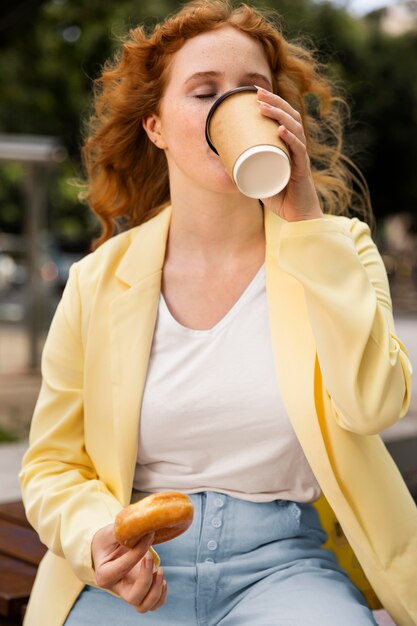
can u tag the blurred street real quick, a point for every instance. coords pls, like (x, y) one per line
(19, 386)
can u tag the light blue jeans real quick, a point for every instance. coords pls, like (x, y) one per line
(241, 564)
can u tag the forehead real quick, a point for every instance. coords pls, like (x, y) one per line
(214, 49)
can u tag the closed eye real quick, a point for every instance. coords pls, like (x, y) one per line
(205, 95)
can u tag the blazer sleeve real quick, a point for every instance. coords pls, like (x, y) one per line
(65, 500)
(365, 366)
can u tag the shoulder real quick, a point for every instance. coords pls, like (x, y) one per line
(109, 254)
(99, 267)
(124, 259)
(103, 263)
(95, 273)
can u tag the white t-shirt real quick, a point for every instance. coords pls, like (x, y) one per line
(212, 418)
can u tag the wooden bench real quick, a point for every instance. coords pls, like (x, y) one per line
(20, 555)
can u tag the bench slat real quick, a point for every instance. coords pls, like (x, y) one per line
(16, 581)
(20, 543)
(14, 512)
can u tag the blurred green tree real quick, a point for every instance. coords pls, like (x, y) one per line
(50, 54)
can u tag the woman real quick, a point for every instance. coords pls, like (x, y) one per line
(239, 351)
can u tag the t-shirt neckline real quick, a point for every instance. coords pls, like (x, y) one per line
(224, 321)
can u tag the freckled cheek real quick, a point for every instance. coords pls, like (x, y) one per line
(190, 120)
(191, 137)
(184, 123)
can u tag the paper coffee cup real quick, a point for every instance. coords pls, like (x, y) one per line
(248, 144)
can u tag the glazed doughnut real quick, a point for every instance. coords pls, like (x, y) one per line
(167, 514)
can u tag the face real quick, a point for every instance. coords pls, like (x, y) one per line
(204, 68)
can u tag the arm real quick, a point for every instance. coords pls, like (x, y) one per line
(64, 499)
(365, 366)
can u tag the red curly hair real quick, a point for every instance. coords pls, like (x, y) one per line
(128, 175)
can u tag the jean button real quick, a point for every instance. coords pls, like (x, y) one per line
(212, 545)
(216, 522)
(219, 502)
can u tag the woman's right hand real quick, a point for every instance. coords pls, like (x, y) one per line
(128, 572)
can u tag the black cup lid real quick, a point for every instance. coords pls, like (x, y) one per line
(216, 104)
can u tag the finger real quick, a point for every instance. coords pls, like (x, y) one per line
(135, 590)
(163, 597)
(298, 149)
(272, 98)
(283, 118)
(154, 594)
(111, 572)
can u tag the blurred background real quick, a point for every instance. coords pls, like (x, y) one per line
(51, 51)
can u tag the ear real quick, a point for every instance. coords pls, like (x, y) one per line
(153, 128)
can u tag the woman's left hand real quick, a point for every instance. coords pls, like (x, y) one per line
(299, 200)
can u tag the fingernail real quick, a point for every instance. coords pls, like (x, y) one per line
(260, 88)
(160, 573)
(268, 106)
(149, 560)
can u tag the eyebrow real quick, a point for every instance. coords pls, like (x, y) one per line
(213, 74)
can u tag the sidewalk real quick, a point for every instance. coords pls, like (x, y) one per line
(11, 455)
(18, 394)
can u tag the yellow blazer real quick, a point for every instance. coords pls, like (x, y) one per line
(343, 375)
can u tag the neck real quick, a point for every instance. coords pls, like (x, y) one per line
(212, 229)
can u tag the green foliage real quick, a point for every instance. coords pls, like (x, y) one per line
(47, 66)
(6, 437)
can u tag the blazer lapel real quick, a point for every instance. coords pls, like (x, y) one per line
(132, 322)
